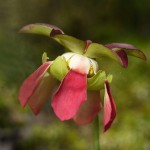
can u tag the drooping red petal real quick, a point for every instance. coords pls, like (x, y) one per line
(89, 110)
(109, 107)
(70, 95)
(30, 84)
(41, 93)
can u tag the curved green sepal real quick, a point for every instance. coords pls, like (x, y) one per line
(128, 48)
(41, 28)
(97, 81)
(44, 57)
(59, 68)
(96, 50)
(71, 43)
(136, 52)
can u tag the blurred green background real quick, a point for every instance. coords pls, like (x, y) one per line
(102, 21)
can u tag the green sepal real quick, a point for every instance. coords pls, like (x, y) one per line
(44, 57)
(128, 48)
(136, 53)
(71, 43)
(97, 81)
(59, 68)
(96, 50)
(38, 28)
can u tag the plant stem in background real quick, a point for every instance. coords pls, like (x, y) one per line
(96, 134)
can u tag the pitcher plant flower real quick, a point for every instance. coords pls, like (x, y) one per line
(81, 79)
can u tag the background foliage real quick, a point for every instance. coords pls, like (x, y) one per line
(102, 21)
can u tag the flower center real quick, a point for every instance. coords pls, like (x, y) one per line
(81, 63)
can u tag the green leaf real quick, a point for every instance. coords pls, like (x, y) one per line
(71, 43)
(97, 81)
(96, 50)
(59, 68)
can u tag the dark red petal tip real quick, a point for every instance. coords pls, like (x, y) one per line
(55, 32)
(90, 109)
(87, 43)
(109, 107)
(123, 56)
(70, 95)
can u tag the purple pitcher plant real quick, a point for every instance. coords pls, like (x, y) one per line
(81, 79)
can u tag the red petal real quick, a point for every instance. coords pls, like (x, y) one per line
(30, 84)
(70, 95)
(89, 110)
(109, 107)
(41, 93)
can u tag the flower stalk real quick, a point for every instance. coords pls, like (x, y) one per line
(96, 134)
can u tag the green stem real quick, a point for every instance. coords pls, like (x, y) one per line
(96, 134)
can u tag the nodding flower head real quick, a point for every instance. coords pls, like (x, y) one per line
(81, 79)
